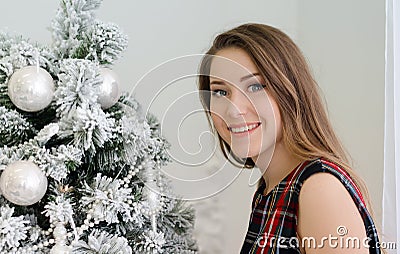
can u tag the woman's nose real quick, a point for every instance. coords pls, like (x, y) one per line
(238, 105)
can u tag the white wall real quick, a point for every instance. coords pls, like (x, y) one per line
(345, 43)
(342, 39)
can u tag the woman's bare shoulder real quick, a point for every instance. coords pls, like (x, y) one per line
(327, 210)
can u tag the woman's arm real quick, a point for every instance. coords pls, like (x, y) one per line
(326, 207)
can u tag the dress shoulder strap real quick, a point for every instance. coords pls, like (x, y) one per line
(322, 165)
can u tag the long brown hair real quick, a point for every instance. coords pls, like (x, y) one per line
(306, 130)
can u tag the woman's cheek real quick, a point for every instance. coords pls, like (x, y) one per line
(220, 126)
(217, 121)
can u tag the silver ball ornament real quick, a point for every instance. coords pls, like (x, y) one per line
(31, 88)
(23, 183)
(109, 89)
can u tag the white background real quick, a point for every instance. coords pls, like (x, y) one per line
(343, 41)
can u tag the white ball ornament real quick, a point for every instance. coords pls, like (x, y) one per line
(23, 183)
(109, 89)
(31, 88)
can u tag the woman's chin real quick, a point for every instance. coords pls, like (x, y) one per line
(244, 154)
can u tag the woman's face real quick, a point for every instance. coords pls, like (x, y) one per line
(243, 113)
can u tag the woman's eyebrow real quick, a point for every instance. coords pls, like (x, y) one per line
(219, 82)
(249, 76)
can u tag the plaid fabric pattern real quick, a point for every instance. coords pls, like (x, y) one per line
(273, 221)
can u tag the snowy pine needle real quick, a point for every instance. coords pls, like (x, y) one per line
(12, 229)
(150, 242)
(101, 242)
(14, 127)
(104, 44)
(73, 18)
(59, 210)
(76, 99)
(78, 84)
(108, 199)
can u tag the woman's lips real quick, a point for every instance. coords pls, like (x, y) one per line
(243, 129)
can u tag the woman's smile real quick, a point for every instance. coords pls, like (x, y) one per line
(243, 129)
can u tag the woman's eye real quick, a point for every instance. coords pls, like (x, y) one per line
(255, 87)
(219, 93)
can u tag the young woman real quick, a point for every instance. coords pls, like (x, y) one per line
(263, 103)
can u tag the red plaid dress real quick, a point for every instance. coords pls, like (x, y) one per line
(273, 221)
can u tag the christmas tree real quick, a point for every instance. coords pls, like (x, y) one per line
(79, 161)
